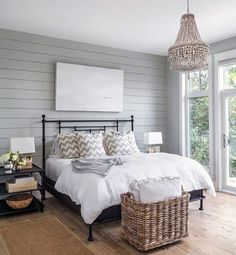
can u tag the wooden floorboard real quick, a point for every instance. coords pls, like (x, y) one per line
(212, 231)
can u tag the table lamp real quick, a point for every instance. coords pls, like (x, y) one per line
(152, 140)
(24, 146)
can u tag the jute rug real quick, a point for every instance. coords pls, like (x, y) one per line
(43, 236)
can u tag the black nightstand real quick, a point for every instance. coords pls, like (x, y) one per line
(36, 205)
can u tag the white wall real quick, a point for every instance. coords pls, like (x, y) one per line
(172, 110)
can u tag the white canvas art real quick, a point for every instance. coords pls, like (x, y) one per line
(88, 88)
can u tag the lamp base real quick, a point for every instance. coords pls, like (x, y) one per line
(28, 162)
(153, 149)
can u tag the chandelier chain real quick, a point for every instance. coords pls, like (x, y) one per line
(187, 6)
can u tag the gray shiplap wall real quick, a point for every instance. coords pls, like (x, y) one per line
(27, 70)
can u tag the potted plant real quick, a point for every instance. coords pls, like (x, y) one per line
(9, 160)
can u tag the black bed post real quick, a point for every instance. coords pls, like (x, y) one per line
(117, 125)
(43, 141)
(132, 122)
(90, 235)
(59, 126)
(201, 200)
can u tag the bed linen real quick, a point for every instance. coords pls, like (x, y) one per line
(55, 166)
(157, 189)
(96, 193)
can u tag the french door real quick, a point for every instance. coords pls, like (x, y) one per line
(229, 140)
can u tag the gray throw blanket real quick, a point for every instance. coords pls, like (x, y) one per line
(99, 166)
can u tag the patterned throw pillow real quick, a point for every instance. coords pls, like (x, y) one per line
(133, 146)
(117, 144)
(68, 145)
(91, 145)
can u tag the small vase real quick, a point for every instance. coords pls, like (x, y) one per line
(8, 165)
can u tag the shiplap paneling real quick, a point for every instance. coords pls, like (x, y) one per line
(27, 73)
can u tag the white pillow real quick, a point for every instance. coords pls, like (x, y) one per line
(135, 187)
(55, 150)
(156, 190)
(132, 142)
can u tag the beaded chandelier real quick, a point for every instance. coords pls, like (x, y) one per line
(189, 52)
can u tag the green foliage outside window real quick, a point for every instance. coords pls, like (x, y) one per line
(199, 120)
(230, 82)
(198, 80)
(232, 135)
(199, 130)
(230, 76)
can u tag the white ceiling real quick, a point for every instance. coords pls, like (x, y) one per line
(141, 25)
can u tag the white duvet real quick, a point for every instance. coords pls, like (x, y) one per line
(95, 193)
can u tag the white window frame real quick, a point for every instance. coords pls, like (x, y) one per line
(219, 92)
(185, 95)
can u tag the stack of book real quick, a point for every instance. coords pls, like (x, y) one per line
(21, 183)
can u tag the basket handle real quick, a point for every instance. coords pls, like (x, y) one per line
(130, 195)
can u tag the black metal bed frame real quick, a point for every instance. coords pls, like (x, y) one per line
(113, 212)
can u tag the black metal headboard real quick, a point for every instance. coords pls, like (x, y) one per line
(63, 124)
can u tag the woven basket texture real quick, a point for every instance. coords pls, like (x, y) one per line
(19, 201)
(151, 225)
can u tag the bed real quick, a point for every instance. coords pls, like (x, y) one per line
(78, 190)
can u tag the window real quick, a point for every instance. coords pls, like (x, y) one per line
(228, 102)
(232, 136)
(224, 121)
(229, 76)
(197, 116)
(199, 129)
(198, 80)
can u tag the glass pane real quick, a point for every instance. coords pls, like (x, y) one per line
(199, 130)
(198, 80)
(232, 139)
(229, 76)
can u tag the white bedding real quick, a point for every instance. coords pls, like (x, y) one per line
(55, 166)
(95, 193)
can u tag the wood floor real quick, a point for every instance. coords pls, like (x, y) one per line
(212, 231)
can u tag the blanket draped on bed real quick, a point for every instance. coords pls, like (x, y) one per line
(93, 165)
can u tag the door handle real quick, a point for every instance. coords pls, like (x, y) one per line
(226, 141)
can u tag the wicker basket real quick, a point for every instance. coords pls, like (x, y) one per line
(19, 201)
(147, 226)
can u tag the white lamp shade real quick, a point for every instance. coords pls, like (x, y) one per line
(22, 145)
(153, 138)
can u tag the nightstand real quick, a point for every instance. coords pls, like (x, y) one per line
(36, 204)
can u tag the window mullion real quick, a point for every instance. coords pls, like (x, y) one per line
(194, 94)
